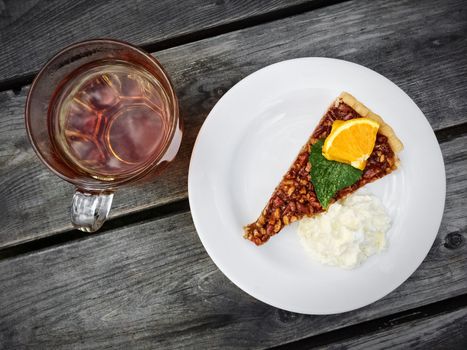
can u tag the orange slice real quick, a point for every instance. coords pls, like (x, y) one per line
(351, 141)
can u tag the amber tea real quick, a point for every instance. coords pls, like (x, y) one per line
(109, 119)
(102, 114)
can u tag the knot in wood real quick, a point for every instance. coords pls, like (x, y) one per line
(453, 240)
(220, 92)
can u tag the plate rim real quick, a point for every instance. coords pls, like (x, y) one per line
(224, 269)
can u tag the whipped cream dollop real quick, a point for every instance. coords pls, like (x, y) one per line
(349, 232)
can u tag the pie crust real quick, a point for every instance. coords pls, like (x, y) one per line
(365, 112)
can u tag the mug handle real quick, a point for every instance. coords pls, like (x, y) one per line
(90, 210)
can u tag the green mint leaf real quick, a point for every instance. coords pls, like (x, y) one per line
(328, 176)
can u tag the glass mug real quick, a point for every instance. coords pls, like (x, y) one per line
(102, 114)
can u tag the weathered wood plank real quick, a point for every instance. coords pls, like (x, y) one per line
(446, 331)
(153, 285)
(373, 34)
(33, 30)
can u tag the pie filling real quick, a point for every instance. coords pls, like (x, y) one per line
(295, 197)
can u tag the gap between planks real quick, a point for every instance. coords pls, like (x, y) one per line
(386, 322)
(450, 133)
(68, 236)
(16, 84)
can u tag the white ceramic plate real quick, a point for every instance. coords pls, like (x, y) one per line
(246, 145)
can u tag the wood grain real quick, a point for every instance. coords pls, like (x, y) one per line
(421, 46)
(32, 31)
(446, 331)
(152, 285)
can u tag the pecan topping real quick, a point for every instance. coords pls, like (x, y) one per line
(295, 197)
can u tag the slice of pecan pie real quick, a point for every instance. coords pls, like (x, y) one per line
(295, 198)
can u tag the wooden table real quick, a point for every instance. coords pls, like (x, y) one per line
(144, 280)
